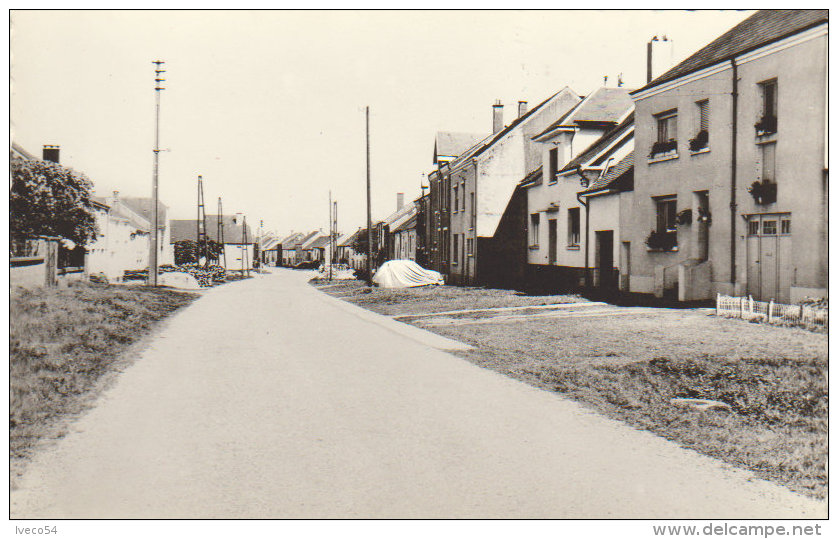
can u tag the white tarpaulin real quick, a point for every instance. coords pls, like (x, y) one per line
(404, 274)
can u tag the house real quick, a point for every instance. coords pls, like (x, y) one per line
(345, 250)
(319, 248)
(143, 206)
(303, 251)
(123, 240)
(398, 232)
(730, 168)
(487, 208)
(609, 204)
(437, 216)
(423, 233)
(269, 249)
(575, 149)
(230, 230)
(286, 248)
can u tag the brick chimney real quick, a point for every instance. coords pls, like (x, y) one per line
(399, 201)
(522, 108)
(497, 117)
(51, 153)
(659, 56)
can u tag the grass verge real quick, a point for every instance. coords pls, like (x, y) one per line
(628, 365)
(61, 343)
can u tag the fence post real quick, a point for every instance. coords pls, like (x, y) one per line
(770, 309)
(718, 299)
(741, 307)
(801, 313)
(750, 306)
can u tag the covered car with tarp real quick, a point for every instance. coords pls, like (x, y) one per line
(405, 274)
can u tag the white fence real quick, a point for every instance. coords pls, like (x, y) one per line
(773, 313)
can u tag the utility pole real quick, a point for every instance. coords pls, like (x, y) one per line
(331, 234)
(219, 233)
(152, 253)
(369, 207)
(335, 228)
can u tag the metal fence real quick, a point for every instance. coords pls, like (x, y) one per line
(773, 313)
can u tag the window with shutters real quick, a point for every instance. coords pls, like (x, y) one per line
(767, 124)
(701, 140)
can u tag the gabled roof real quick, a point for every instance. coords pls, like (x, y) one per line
(503, 132)
(450, 144)
(761, 28)
(348, 239)
(399, 215)
(289, 241)
(619, 177)
(532, 178)
(22, 153)
(610, 137)
(268, 242)
(186, 229)
(305, 241)
(406, 220)
(605, 105)
(143, 207)
(319, 242)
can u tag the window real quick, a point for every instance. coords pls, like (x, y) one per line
(702, 138)
(666, 211)
(554, 165)
(463, 185)
(785, 226)
(456, 250)
(534, 222)
(573, 227)
(769, 228)
(767, 124)
(667, 126)
(473, 210)
(769, 153)
(456, 199)
(703, 115)
(470, 246)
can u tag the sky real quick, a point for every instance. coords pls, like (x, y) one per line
(268, 106)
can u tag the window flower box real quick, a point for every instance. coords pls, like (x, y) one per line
(767, 125)
(703, 216)
(660, 148)
(662, 241)
(684, 217)
(700, 142)
(764, 192)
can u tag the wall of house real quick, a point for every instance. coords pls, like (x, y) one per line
(540, 197)
(493, 180)
(234, 253)
(800, 71)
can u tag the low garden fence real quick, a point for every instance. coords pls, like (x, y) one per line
(773, 313)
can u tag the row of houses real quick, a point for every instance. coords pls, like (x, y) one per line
(711, 178)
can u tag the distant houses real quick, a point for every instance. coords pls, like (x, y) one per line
(240, 245)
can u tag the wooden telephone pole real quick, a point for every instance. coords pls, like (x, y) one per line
(369, 206)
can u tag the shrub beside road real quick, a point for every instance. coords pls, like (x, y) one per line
(629, 363)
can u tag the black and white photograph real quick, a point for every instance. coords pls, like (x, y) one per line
(567, 266)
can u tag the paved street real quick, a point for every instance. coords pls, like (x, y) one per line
(268, 399)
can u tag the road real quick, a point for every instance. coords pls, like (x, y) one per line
(268, 399)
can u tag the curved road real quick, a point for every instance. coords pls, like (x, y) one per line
(268, 399)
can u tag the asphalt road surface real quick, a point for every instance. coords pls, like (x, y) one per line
(268, 399)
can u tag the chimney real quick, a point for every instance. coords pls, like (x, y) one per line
(116, 195)
(399, 201)
(497, 116)
(51, 153)
(522, 108)
(659, 56)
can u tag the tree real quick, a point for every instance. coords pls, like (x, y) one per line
(47, 199)
(361, 241)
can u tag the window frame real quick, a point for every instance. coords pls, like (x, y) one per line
(574, 227)
(535, 225)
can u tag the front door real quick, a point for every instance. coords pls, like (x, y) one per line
(553, 239)
(605, 259)
(769, 256)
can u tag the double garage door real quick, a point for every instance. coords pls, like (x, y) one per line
(769, 252)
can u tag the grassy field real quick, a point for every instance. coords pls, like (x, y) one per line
(628, 365)
(433, 299)
(63, 341)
